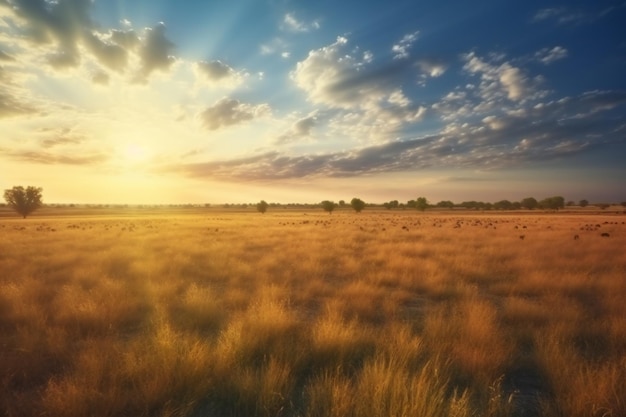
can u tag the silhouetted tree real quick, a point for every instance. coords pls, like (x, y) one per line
(530, 203)
(328, 206)
(445, 204)
(24, 200)
(342, 203)
(503, 205)
(421, 203)
(553, 203)
(357, 204)
(262, 206)
(583, 203)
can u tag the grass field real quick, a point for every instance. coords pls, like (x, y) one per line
(291, 313)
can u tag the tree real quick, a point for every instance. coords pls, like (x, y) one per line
(583, 203)
(357, 204)
(421, 203)
(503, 205)
(530, 203)
(328, 206)
(262, 206)
(24, 200)
(553, 203)
(445, 204)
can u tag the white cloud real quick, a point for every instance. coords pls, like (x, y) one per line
(292, 24)
(548, 56)
(500, 79)
(561, 15)
(371, 100)
(401, 49)
(432, 67)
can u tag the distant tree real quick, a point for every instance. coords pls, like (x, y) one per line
(421, 203)
(583, 203)
(410, 204)
(530, 203)
(387, 205)
(570, 203)
(394, 203)
(623, 203)
(445, 204)
(328, 206)
(262, 206)
(552, 203)
(357, 204)
(503, 205)
(516, 205)
(24, 200)
(603, 206)
(342, 203)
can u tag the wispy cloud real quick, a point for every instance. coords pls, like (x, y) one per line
(560, 15)
(401, 49)
(547, 56)
(292, 24)
(51, 158)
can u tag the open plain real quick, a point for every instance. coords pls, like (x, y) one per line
(301, 313)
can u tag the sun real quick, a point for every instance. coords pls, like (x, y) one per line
(134, 153)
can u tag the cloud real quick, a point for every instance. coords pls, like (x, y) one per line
(218, 73)
(6, 57)
(12, 105)
(559, 14)
(401, 49)
(63, 33)
(301, 128)
(545, 132)
(432, 67)
(547, 56)
(228, 112)
(61, 137)
(49, 158)
(155, 52)
(501, 80)
(292, 24)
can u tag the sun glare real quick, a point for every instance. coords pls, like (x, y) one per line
(134, 153)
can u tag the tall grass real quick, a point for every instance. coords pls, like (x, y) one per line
(305, 314)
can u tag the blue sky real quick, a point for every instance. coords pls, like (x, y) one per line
(293, 101)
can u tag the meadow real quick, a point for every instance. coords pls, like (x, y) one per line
(302, 313)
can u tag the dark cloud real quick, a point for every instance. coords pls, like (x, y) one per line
(227, 112)
(156, 51)
(66, 29)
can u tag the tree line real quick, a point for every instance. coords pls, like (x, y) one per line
(25, 200)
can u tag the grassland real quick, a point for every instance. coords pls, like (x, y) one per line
(308, 314)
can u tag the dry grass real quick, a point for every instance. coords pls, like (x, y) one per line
(306, 314)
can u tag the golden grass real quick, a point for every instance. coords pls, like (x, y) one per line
(304, 314)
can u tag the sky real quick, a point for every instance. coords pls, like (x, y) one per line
(162, 101)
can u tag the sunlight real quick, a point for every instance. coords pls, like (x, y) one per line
(135, 154)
